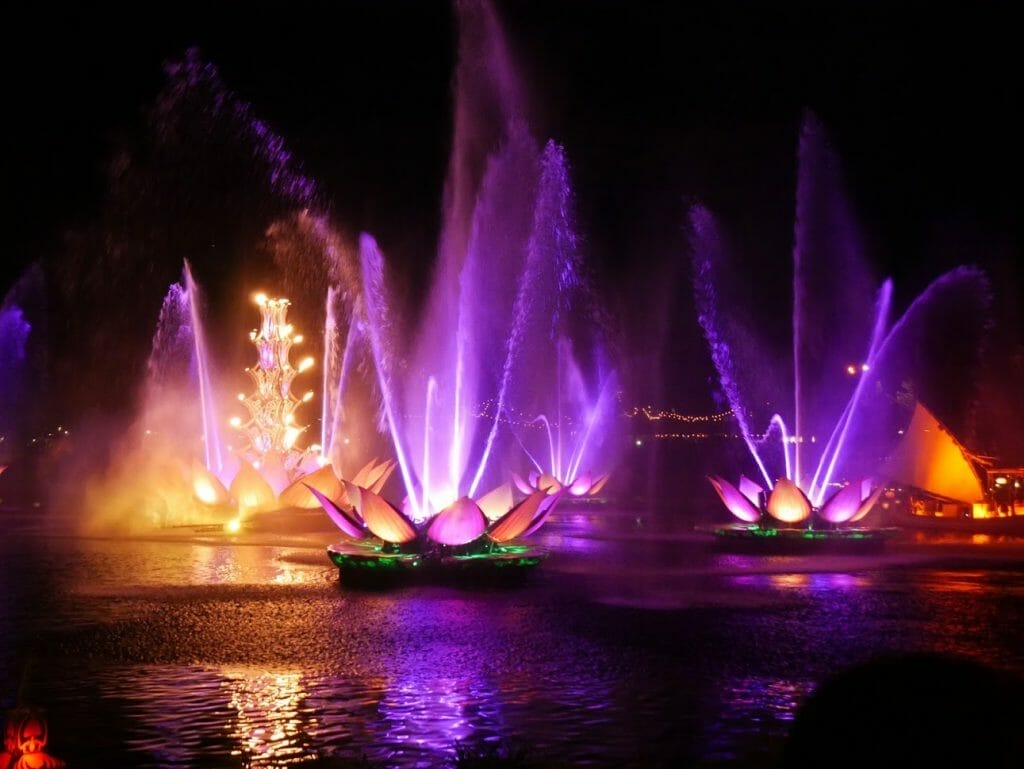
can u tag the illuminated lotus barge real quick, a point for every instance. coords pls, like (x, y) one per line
(786, 521)
(471, 541)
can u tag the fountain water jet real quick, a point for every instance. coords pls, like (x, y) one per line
(491, 327)
(838, 408)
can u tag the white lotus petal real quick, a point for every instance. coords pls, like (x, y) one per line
(496, 502)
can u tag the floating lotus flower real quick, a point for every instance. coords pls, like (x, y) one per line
(582, 485)
(364, 514)
(789, 505)
(466, 535)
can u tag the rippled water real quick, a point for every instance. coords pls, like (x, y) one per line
(634, 642)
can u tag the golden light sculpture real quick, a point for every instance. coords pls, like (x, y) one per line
(272, 430)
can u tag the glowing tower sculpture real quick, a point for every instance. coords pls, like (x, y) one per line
(271, 429)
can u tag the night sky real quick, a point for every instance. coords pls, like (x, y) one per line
(658, 105)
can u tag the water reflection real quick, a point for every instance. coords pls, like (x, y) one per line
(753, 708)
(218, 653)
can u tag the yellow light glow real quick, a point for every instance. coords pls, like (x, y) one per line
(305, 364)
(851, 369)
(241, 396)
(260, 299)
(204, 491)
(290, 436)
(307, 397)
(235, 421)
(233, 526)
(289, 419)
(298, 338)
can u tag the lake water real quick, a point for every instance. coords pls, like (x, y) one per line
(634, 643)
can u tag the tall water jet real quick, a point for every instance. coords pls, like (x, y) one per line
(847, 357)
(495, 324)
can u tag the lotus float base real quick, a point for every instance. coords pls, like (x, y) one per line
(374, 566)
(752, 538)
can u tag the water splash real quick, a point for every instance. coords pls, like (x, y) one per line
(846, 361)
(497, 302)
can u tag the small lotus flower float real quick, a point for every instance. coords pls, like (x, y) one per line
(582, 485)
(787, 513)
(468, 538)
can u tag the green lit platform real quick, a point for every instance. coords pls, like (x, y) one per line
(378, 565)
(752, 538)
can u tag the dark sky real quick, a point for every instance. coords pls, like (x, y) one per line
(658, 104)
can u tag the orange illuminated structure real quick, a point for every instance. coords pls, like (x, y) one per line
(936, 481)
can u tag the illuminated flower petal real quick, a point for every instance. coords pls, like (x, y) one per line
(300, 493)
(374, 474)
(547, 506)
(459, 523)
(599, 484)
(787, 503)
(206, 486)
(383, 520)
(736, 503)
(518, 519)
(843, 505)
(867, 504)
(521, 484)
(751, 490)
(251, 490)
(341, 518)
(549, 483)
(389, 468)
(581, 485)
(496, 502)
(359, 479)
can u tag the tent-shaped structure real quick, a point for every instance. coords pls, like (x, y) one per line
(930, 458)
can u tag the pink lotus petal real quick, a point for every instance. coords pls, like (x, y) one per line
(735, 502)
(751, 490)
(788, 503)
(383, 520)
(867, 504)
(518, 519)
(581, 485)
(533, 479)
(341, 519)
(521, 484)
(843, 505)
(459, 523)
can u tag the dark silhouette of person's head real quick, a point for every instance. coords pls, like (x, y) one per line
(919, 710)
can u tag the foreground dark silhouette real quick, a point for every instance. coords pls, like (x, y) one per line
(915, 710)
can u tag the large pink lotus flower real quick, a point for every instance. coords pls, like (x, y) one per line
(364, 514)
(789, 505)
